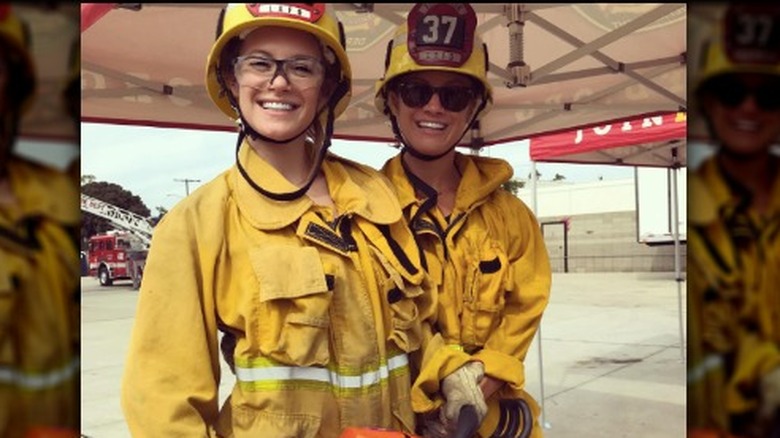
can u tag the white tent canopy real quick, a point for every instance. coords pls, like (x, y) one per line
(588, 64)
(657, 141)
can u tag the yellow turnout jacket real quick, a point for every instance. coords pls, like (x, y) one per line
(490, 265)
(318, 313)
(39, 302)
(733, 305)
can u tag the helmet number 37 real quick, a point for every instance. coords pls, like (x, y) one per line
(441, 33)
(752, 34)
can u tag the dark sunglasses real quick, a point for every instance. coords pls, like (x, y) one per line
(453, 98)
(732, 92)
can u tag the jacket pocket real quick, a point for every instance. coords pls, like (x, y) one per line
(291, 323)
(400, 311)
(403, 415)
(250, 422)
(484, 300)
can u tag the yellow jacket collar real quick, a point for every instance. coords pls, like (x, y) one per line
(481, 176)
(361, 190)
(43, 192)
(713, 194)
(395, 171)
(355, 189)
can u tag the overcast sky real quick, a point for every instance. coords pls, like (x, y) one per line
(148, 161)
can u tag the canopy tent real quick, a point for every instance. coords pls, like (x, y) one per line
(658, 141)
(143, 64)
(572, 65)
(53, 31)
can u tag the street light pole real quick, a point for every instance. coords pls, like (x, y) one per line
(186, 182)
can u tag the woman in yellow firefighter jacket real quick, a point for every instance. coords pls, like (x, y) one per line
(301, 259)
(734, 231)
(481, 245)
(39, 306)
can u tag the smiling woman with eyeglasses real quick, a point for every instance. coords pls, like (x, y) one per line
(481, 246)
(299, 259)
(257, 69)
(733, 267)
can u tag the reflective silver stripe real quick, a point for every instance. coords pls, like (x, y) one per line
(272, 8)
(708, 364)
(12, 376)
(282, 373)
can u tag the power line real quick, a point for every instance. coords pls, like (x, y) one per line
(186, 182)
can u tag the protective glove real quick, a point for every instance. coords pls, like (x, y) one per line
(770, 394)
(460, 388)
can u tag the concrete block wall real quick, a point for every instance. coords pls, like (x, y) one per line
(605, 242)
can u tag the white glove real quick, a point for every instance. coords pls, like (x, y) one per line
(770, 394)
(462, 388)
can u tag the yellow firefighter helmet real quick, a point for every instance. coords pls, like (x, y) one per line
(314, 18)
(15, 46)
(440, 37)
(746, 41)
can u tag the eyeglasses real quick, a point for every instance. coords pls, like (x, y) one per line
(732, 92)
(301, 71)
(453, 98)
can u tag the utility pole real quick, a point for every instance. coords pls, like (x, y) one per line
(186, 182)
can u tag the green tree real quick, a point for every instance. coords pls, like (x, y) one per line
(558, 177)
(86, 179)
(161, 211)
(113, 194)
(513, 185)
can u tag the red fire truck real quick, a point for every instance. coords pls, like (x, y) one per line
(115, 256)
(118, 254)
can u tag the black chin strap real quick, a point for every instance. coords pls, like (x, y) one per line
(432, 198)
(246, 128)
(289, 196)
(341, 89)
(412, 151)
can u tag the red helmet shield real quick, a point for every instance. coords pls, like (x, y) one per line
(441, 34)
(752, 34)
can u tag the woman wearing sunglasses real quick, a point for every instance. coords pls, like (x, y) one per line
(481, 245)
(300, 259)
(734, 232)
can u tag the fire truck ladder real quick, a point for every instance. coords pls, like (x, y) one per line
(121, 218)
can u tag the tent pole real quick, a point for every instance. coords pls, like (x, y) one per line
(677, 268)
(545, 424)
